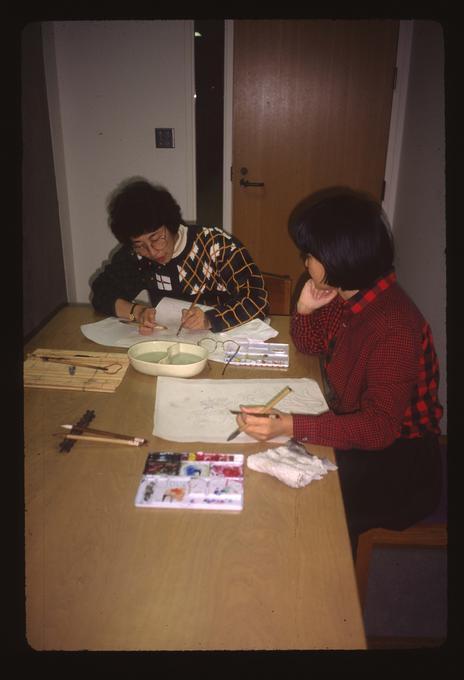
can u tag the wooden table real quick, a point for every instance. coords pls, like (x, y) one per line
(104, 575)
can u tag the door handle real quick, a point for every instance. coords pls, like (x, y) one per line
(246, 183)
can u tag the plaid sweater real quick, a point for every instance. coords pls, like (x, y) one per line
(211, 259)
(380, 367)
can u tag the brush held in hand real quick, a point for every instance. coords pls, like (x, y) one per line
(270, 404)
(197, 297)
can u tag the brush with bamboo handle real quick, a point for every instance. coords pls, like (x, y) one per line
(270, 404)
(197, 297)
(92, 435)
(105, 440)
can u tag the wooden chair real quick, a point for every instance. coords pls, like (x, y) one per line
(279, 290)
(432, 532)
(425, 535)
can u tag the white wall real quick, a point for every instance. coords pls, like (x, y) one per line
(110, 83)
(419, 224)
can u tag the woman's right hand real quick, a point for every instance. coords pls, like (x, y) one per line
(312, 298)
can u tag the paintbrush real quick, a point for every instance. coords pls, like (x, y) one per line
(106, 440)
(91, 434)
(197, 297)
(272, 402)
(156, 327)
(91, 430)
(70, 362)
(258, 415)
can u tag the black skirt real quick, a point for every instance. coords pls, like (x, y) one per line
(391, 488)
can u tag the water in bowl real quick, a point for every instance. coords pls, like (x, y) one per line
(152, 357)
(185, 358)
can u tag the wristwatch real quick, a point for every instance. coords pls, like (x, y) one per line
(131, 313)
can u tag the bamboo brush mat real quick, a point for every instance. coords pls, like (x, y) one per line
(56, 376)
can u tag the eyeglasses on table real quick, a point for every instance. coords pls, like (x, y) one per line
(230, 347)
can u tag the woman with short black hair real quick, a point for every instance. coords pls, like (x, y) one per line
(348, 233)
(168, 258)
(378, 362)
(138, 207)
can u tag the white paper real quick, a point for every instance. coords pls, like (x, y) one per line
(112, 333)
(188, 410)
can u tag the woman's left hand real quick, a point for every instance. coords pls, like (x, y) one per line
(147, 321)
(195, 319)
(265, 428)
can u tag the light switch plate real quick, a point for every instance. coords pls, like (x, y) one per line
(164, 138)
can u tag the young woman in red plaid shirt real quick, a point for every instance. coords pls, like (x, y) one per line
(378, 363)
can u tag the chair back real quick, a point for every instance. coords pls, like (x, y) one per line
(279, 290)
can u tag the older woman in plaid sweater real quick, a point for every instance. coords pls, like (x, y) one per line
(167, 258)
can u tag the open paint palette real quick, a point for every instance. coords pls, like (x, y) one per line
(264, 354)
(197, 481)
(162, 357)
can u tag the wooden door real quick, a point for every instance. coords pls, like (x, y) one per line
(312, 103)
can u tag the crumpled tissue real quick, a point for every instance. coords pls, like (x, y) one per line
(291, 464)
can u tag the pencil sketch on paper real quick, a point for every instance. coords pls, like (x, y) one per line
(200, 410)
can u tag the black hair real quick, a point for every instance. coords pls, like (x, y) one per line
(348, 233)
(138, 207)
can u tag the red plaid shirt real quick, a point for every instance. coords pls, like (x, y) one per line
(380, 367)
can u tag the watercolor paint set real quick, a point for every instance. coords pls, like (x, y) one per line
(200, 480)
(260, 354)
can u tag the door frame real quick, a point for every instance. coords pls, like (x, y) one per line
(395, 135)
(228, 108)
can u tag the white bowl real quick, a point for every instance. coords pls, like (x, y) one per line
(165, 357)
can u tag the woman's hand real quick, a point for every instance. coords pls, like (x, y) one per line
(195, 319)
(146, 319)
(312, 298)
(277, 423)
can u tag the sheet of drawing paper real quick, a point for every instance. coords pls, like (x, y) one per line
(188, 410)
(112, 333)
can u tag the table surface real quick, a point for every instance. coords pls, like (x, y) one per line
(102, 574)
